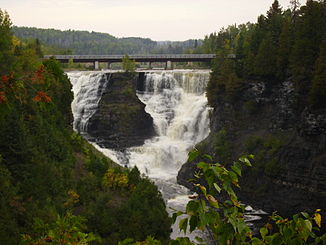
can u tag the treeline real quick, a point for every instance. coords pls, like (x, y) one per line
(84, 42)
(283, 45)
(54, 186)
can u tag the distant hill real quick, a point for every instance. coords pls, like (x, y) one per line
(84, 42)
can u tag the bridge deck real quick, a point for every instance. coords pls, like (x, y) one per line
(137, 58)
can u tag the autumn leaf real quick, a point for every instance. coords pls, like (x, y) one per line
(38, 76)
(212, 201)
(3, 97)
(4, 78)
(317, 218)
(42, 96)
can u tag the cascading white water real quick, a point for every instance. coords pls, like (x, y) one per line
(88, 88)
(177, 103)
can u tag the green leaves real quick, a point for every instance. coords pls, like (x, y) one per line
(192, 207)
(193, 223)
(192, 155)
(217, 188)
(183, 225)
(225, 219)
(245, 160)
(263, 232)
(236, 168)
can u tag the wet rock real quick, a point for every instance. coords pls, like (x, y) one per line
(120, 120)
(275, 123)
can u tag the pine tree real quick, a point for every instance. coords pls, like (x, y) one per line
(275, 9)
(274, 21)
(6, 52)
(317, 95)
(265, 62)
(284, 49)
(310, 28)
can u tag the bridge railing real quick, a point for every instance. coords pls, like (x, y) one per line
(151, 56)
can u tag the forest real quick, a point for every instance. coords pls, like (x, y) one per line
(55, 187)
(283, 45)
(84, 42)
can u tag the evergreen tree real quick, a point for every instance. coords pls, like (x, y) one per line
(6, 53)
(309, 30)
(274, 21)
(317, 95)
(284, 50)
(265, 62)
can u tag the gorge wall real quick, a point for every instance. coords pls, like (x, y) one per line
(287, 139)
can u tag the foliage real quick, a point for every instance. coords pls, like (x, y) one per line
(317, 95)
(128, 65)
(6, 57)
(84, 42)
(282, 44)
(48, 172)
(266, 150)
(65, 230)
(148, 241)
(115, 180)
(218, 210)
(221, 146)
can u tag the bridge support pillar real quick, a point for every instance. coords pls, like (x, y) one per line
(169, 65)
(109, 65)
(150, 65)
(96, 65)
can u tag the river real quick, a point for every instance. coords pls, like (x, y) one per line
(177, 103)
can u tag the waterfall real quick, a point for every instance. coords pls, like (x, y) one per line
(177, 103)
(88, 88)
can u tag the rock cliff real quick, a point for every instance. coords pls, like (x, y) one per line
(288, 141)
(120, 120)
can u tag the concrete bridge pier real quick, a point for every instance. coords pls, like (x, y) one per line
(96, 65)
(109, 65)
(169, 65)
(150, 65)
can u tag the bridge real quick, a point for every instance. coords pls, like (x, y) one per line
(167, 58)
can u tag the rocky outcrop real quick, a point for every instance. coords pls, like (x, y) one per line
(288, 139)
(120, 120)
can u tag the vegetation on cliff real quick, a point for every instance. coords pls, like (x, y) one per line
(54, 186)
(269, 100)
(217, 209)
(283, 44)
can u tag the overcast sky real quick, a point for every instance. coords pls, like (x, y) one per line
(158, 20)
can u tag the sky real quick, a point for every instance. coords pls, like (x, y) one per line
(174, 20)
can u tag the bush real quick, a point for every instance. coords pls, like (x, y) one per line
(224, 218)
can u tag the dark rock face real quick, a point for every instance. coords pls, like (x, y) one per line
(288, 140)
(121, 120)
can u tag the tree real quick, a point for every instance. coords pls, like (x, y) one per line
(317, 95)
(68, 229)
(295, 4)
(6, 52)
(128, 65)
(284, 50)
(309, 31)
(275, 9)
(265, 63)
